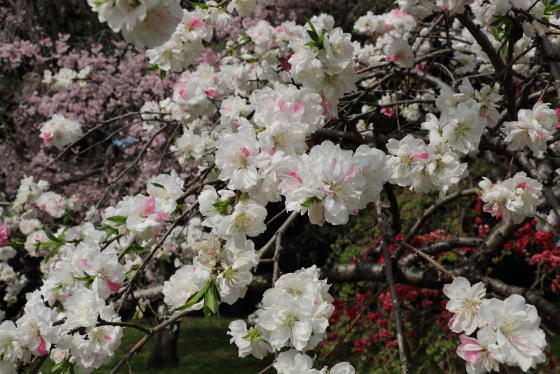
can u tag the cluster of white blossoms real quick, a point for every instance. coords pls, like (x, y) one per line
(395, 22)
(329, 183)
(508, 332)
(32, 196)
(145, 23)
(514, 198)
(458, 131)
(248, 121)
(154, 114)
(467, 60)
(221, 263)
(14, 281)
(546, 222)
(141, 218)
(322, 61)
(245, 7)
(532, 129)
(295, 313)
(185, 44)
(294, 362)
(425, 7)
(60, 131)
(67, 78)
(78, 277)
(81, 270)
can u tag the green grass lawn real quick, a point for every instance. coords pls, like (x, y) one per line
(203, 348)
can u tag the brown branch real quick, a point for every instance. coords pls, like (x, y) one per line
(107, 243)
(442, 246)
(554, 71)
(147, 337)
(267, 368)
(276, 271)
(423, 255)
(432, 209)
(352, 128)
(40, 361)
(124, 324)
(495, 58)
(264, 251)
(394, 299)
(193, 189)
(131, 166)
(153, 251)
(276, 216)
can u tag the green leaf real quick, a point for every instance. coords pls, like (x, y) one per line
(497, 22)
(253, 335)
(552, 9)
(504, 49)
(201, 6)
(158, 185)
(179, 209)
(88, 279)
(52, 253)
(136, 248)
(132, 270)
(311, 25)
(195, 298)
(59, 287)
(253, 60)
(321, 39)
(118, 220)
(110, 231)
(98, 3)
(51, 236)
(313, 35)
(68, 217)
(212, 299)
(152, 68)
(309, 202)
(222, 206)
(18, 241)
(61, 367)
(162, 74)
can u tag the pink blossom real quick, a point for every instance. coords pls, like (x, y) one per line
(4, 233)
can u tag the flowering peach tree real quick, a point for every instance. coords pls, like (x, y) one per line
(213, 126)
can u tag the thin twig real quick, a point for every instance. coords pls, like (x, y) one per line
(110, 241)
(265, 249)
(276, 216)
(276, 271)
(423, 255)
(147, 337)
(131, 166)
(267, 368)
